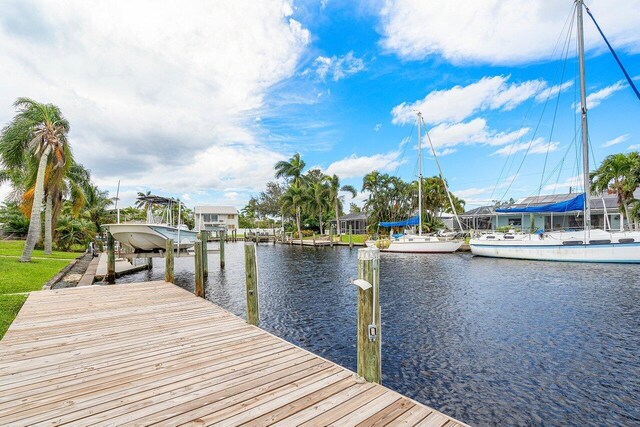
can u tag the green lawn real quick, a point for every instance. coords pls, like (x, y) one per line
(9, 307)
(17, 277)
(357, 238)
(14, 248)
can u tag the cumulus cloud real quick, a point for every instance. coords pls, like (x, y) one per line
(460, 102)
(338, 67)
(495, 31)
(357, 166)
(571, 183)
(617, 140)
(377, 127)
(537, 146)
(156, 96)
(474, 131)
(552, 91)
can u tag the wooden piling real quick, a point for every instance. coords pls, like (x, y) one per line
(350, 236)
(314, 240)
(222, 238)
(111, 259)
(199, 274)
(330, 236)
(168, 262)
(369, 326)
(205, 253)
(251, 276)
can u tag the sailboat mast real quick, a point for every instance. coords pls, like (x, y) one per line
(585, 128)
(419, 176)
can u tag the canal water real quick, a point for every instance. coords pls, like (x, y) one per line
(487, 341)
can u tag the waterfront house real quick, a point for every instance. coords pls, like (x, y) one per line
(358, 222)
(215, 218)
(604, 215)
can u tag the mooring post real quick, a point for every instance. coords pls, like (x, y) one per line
(205, 253)
(111, 259)
(251, 280)
(350, 236)
(330, 236)
(222, 238)
(369, 333)
(149, 263)
(199, 274)
(168, 261)
(314, 240)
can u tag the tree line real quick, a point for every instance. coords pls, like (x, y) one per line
(309, 200)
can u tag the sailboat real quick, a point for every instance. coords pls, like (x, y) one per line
(152, 235)
(410, 242)
(587, 245)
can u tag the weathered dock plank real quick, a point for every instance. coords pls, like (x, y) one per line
(146, 353)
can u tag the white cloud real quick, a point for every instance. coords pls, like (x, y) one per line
(537, 146)
(633, 147)
(474, 131)
(460, 102)
(338, 67)
(357, 166)
(617, 140)
(594, 99)
(572, 183)
(552, 91)
(496, 31)
(377, 127)
(446, 152)
(160, 96)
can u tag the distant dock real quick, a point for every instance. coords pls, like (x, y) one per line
(152, 352)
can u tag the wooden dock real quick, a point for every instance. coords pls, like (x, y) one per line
(145, 353)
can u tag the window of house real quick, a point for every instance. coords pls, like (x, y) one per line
(230, 216)
(210, 217)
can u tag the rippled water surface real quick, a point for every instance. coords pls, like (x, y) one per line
(487, 341)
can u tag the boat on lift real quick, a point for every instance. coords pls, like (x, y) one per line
(586, 245)
(152, 235)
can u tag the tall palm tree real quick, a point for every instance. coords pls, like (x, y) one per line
(618, 174)
(292, 169)
(37, 131)
(337, 199)
(295, 197)
(319, 196)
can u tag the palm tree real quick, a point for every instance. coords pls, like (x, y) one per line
(337, 199)
(37, 131)
(97, 202)
(292, 169)
(319, 197)
(618, 174)
(295, 197)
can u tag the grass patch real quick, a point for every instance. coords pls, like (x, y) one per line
(9, 307)
(15, 247)
(357, 238)
(19, 276)
(16, 276)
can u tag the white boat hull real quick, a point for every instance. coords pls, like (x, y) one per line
(420, 245)
(150, 237)
(622, 247)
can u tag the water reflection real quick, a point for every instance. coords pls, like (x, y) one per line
(488, 341)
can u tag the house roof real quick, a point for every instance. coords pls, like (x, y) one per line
(353, 217)
(216, 210)
(596, 203)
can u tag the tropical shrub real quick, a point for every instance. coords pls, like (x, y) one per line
(73, 231)
(12, 219)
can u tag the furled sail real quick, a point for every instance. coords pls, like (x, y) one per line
(414, 220)
(575, 204)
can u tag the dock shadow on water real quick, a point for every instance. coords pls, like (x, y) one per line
(487, 341)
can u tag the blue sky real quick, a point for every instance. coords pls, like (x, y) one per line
(200, 100)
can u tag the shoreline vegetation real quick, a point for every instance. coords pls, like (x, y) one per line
(18, 278)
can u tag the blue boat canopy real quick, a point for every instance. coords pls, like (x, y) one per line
(414, 220)
(575, 204)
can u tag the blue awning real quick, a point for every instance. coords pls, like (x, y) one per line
(575, 204)
(411, 221)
